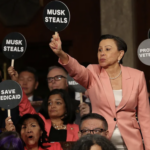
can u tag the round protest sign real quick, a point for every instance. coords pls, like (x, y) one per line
(10, 94)
(144, 52)
(76, 87)
(14, 45)
(56, 16)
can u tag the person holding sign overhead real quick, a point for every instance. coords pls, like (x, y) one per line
(31, 129)
(116, 92)
(3, 112)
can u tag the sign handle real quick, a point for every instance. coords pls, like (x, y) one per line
(81, 99)
(12, 62)
(9, 112)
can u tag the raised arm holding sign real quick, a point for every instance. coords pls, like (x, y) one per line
(56, 47)
(107, 81)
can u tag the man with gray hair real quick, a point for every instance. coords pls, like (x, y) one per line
(57, 79)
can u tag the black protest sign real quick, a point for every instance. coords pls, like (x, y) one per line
(56, 16)
(14, 45)
(10, 94)
(76, 87)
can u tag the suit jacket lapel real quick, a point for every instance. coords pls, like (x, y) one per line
(69, 133)
(104, 78)
(127, 85)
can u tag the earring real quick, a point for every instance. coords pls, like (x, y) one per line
(118, 61)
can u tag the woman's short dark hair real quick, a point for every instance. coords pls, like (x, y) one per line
(119, 42)
(10, 141)
(44, 137)
(70, 116)
(87, 141)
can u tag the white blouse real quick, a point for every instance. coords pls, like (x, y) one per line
(116, 138)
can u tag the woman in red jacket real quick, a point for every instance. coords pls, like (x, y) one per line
(57, 112)
(32, 132)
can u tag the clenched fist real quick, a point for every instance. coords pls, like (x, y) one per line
(55, 44)
(9, 126)
(13, 73)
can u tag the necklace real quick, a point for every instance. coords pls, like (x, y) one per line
(116, 76)
(58, 127)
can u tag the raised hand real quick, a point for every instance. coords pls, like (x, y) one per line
(9, 126)
(13, 73)
(84, 109)
(55, 44)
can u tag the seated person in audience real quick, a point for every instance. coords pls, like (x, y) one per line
(28, 80)
(3, 112)
(32, 132)
(93, 142)
(56, 111)
(10, 141)
(93, 124)
(57, 79)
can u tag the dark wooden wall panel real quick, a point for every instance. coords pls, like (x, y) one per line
(80, 38)
(142, 24)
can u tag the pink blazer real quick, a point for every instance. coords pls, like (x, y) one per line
(134, 100)
(25, 107)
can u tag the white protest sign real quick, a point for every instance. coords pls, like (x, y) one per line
(144, 52)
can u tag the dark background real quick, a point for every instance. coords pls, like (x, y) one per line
(80, 39)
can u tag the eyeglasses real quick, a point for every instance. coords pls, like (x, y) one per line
(56, 78)
(94, 131)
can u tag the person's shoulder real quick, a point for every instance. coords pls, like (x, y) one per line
(94, 68)
(73, 126)
(51, 146)
(133, 72)
(55, 146)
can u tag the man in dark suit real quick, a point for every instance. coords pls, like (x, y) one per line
(28, 80)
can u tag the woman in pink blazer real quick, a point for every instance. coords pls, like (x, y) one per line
(116, 92)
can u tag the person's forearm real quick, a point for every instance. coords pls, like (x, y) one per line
(63, 57)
